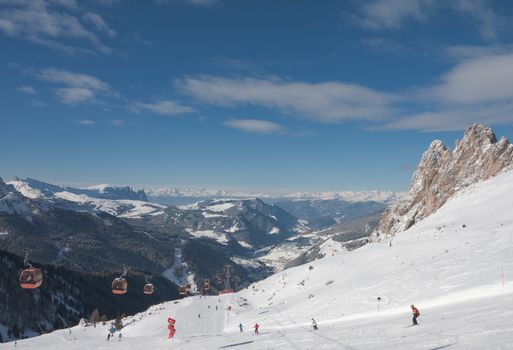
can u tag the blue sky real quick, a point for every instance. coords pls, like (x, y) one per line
(254, 95)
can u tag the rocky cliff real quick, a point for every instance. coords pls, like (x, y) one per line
(442, 172)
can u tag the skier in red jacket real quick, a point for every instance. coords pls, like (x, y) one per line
(256, 326)
(171, 327)
(416, 313)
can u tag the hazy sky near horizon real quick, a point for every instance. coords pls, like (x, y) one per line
(287, 95)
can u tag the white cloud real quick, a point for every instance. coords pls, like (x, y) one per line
(481, 79)
(165, 107)
(255, 126)
(478, 89)
(327, 102)
(52, 23)
(73, 95)
(26, 89)
(392, 14)
(118, 122)
(99, 23)
(87, 122)
(464, 52)
(452, 118)
(54, 75)
(485, 17)
(77, 87)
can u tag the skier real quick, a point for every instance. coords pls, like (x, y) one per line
(119, 336)
(416, 313)
(241, 327)
(112, 329)
(171, 327)
(314, 325)
(256, 326)
(217, 307)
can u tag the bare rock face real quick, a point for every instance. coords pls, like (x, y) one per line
(442, 172)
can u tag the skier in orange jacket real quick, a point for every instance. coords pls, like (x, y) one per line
(416, 313)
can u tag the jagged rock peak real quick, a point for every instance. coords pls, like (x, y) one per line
(441, 172)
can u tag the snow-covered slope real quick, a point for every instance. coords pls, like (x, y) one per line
(451, 265)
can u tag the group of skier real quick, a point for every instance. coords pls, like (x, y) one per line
(112, 331)
(256, 327)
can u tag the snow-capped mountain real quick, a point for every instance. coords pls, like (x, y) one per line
(456, 266)
(11, 202)
(250, 223)
(33, 188)
(181, 196)
(442, 172)
(118, 201)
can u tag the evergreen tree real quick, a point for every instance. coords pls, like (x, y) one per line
(15, 331)
(119, 323)
(95, 317)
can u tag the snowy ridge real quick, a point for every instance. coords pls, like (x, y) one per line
(449, 265)
(94, 198)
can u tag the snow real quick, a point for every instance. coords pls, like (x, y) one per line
(221, 207)
(449, 265)
(280, 255)
(246, 263)
(124, 208)
(220, 237)
(208, 215)
(245, 244)
(12, 204)
(274, 231)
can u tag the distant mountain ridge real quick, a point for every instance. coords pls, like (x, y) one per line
(180, 196)
(118, 201)
(33, 188)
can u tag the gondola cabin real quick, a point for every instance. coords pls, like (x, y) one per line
(119, 286)
(31, 278)
(148, 289)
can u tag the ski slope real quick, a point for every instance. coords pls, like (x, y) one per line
(450, 265)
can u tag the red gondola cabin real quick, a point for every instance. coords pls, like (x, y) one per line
(31, 278)
(119, 286)
(148, 288)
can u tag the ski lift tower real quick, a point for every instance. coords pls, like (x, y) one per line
(228, 269)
